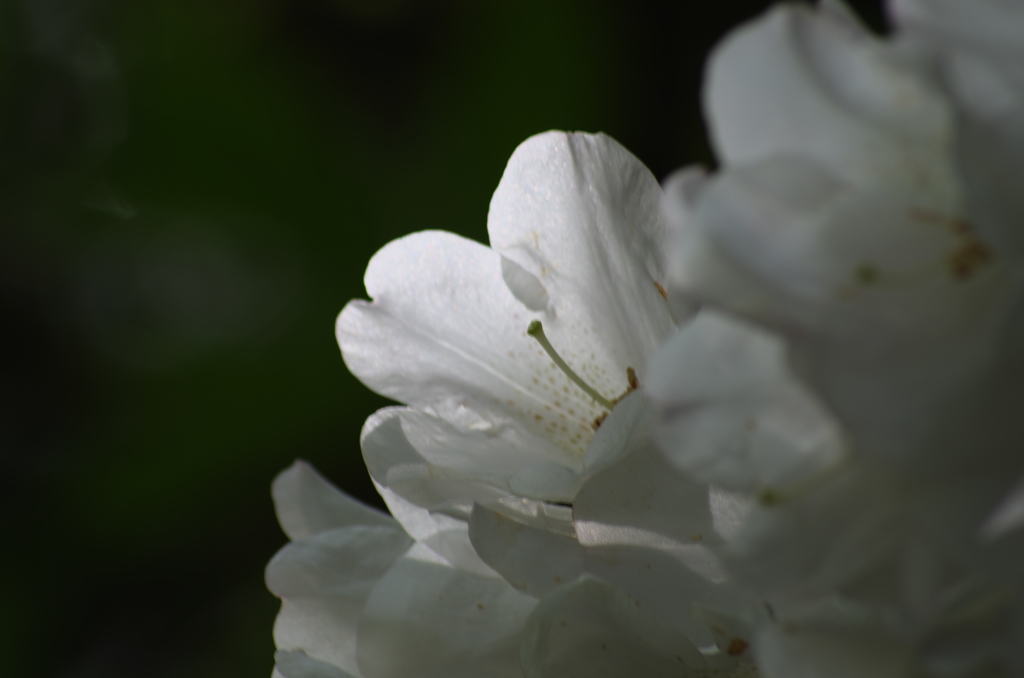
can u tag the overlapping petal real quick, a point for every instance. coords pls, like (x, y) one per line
(591, 629)
(978, 54)
(854, 246)
(810, 83)
(425, 618)
(361, 597)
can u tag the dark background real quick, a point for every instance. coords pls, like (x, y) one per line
(189, 193)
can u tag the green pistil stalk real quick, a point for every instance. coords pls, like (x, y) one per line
(536, 330)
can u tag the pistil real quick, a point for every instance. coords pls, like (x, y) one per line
(536, 330)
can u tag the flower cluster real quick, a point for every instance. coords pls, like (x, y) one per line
(764, 421)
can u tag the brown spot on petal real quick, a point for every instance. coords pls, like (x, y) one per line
(929, 216)
(967, 258)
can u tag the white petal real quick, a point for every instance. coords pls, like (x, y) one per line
(426, 619)
(299, 665)
(989, 28)
(614, 438)
(446, 536)
(445, 334)
(532, 560)
(731, 413)
(307, 504)
(524, 285)
(882, 299)
(786, 653)
(439, 467)
(809, 83)
(980, 51)
(651, 532)
(592, 629)
(820, 533)
(545, 481)
(324, 582)
(580, 214)
(699, 269)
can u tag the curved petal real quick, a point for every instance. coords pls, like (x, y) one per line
(532, 559)
(323, 582)
(654, 533)
(306, 504)
(445, 334)
(979, 51)
(810, 83)
(816, 535)
(439, 467)
(589, 628)
(442, 468)
(989, 28)
(883, 300)
(731, 413)
(397, 435)
(579, 213)
(426, 619)
(446, 536)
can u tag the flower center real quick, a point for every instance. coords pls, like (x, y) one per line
(536, 330)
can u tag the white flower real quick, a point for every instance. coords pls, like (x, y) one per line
(366, 597)
(575, 242)
(497, 434)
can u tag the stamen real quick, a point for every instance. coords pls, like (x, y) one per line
(536, 330)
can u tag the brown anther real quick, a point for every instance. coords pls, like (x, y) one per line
(661, 289)
(634, 383)
(600, 420)
(971, 252)
(737, 646)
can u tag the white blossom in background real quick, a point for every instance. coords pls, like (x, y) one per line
(763, 423)
(860, 319)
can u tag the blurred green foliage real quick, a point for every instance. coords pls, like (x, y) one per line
(189, 193)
